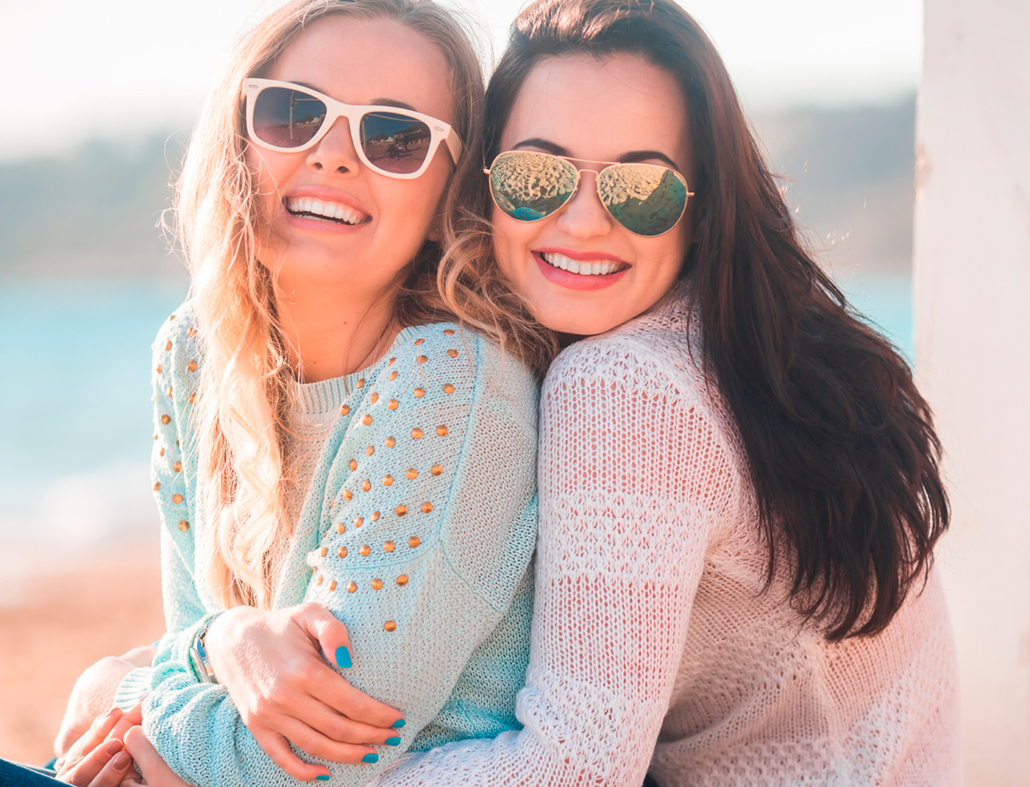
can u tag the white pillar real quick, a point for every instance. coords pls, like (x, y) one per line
(972, 315)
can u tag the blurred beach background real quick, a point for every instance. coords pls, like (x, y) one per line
(104, 96)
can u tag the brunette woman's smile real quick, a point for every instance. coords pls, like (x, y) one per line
(579, 270)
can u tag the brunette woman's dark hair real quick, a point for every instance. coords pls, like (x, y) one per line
(840, 445)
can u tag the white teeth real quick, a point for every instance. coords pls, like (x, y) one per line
(582, 268)
(329, 210)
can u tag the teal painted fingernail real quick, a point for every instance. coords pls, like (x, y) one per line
(394, 741)
(343, 658)
(370, 758)
(322, 777)
(398, 724)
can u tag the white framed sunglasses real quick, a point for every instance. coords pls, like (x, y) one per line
(393, 141)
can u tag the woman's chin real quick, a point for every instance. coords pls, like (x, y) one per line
(577, 326)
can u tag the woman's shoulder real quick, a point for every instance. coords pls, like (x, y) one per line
(642, 368)
(178, 350)
(661, 348)
(449, 357)
(180, 322)
(180, 328)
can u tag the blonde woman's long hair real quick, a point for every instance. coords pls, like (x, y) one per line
(247, 376)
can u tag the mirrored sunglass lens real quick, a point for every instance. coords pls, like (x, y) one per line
(287, 118)
(643, 198)
(531, 186)
(394, 143)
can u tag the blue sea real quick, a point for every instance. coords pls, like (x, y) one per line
(76, 433)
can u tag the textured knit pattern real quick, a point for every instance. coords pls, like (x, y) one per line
(417, 532)
(654, 647)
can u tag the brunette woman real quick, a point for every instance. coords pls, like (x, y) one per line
(739, 481)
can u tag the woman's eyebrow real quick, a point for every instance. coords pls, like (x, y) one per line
(308, 86)
(627, 158)
(543, 144)
(644, 155)
(382, 102)
(389, 102)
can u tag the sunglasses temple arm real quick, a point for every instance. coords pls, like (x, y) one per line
(453, 145)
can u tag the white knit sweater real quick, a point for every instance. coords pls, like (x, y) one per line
(654, 647)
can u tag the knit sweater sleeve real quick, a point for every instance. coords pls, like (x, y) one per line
(174, 379)
(424, 534)
(635, 479)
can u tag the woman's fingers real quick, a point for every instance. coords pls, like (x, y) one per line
(358, 706)
(89, 740)
(314, 713)
(322, 625)
(318, 745)
(129, 719)
(91, 697)
(279, 751)
(331, 634)
(106, 739)
(91, 764)
(155, 770)
(113, 772)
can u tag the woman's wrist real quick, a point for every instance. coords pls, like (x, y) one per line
(200, 660)
(222, 637)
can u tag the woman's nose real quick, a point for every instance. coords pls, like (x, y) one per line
(335, 151)
(584, 216)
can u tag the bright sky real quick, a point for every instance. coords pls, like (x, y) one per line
(125, 67)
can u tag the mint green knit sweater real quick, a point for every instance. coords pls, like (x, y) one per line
(417, 532)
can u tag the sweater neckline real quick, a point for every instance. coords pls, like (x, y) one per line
(325, 396)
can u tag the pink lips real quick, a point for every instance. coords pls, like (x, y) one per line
(575, 281)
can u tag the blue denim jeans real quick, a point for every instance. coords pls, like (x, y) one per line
(14, 775)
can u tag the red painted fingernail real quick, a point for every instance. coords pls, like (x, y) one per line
(114, 747)
(121, 761)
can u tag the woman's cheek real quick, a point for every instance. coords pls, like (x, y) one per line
(505, 253)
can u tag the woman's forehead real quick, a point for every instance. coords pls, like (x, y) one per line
(604, 107)
(364, 61)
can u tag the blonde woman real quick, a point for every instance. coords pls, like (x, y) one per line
(323, 434)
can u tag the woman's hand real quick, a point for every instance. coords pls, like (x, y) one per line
(155, 772)
(93, 694)
(97, 758)
(272, 665)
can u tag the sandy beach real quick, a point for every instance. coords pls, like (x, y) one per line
(73, 620)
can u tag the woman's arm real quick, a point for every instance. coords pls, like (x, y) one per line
(123, 681)
(419, 544)
(175, 379)
(634, 482)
